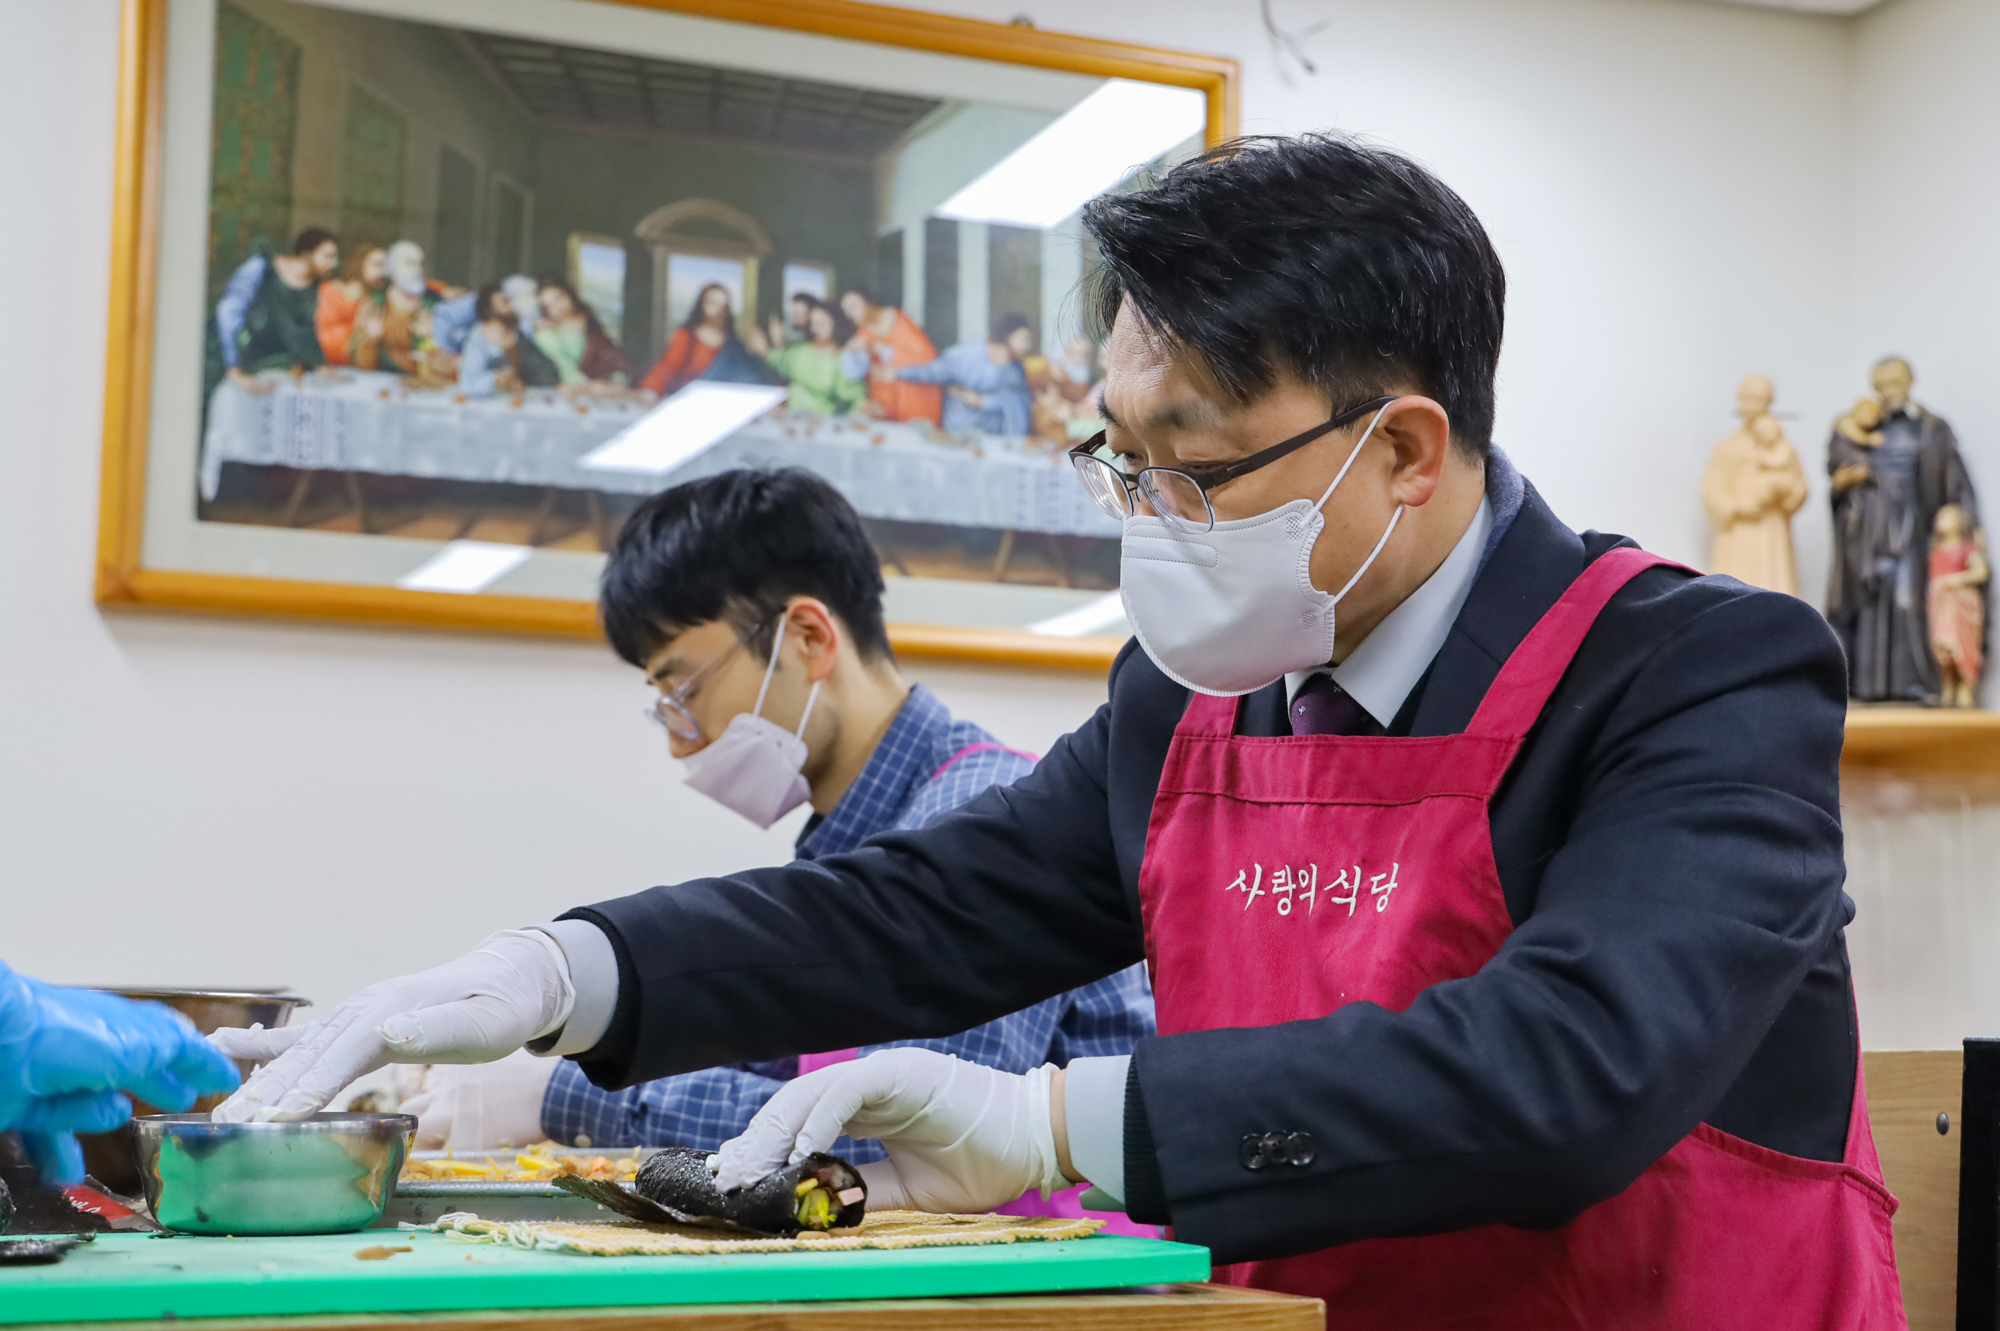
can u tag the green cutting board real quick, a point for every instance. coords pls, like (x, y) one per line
(149, 1276)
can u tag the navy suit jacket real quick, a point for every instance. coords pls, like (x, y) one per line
(1668, 841)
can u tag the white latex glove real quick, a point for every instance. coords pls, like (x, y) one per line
(961, 1137)
(480, 1106)
(511, 989)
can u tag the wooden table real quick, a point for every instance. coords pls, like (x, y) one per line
(1159, 1308)
(1907, 1090)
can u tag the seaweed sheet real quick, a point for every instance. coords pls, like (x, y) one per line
(676, 1186)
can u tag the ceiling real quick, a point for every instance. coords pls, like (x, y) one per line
(571, 86)
(1811, 6)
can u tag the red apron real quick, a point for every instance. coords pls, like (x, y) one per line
(1390, 837)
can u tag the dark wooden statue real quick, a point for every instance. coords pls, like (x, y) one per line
(1893, 465)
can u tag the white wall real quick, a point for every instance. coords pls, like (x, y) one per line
(1926, 267)
(201, 802)
(1921, 854)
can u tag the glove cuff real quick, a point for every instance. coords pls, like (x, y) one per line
(1042, 1131)
(558, 999)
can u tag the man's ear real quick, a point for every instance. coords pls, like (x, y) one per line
(1419, 431)
(817, 632)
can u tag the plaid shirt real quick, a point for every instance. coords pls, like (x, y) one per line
(925, 766)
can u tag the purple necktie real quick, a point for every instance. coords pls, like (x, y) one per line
(1322, 707)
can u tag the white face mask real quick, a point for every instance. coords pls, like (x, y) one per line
(753, 767)
(1229, 610)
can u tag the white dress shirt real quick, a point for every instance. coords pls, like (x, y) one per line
(1379, 674)
(593, 977)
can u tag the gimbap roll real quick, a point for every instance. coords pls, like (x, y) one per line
(677, 1186)
(820, 1192)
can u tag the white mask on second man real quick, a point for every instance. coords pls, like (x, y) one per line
(755, 765)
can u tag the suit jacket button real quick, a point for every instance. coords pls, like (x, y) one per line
(1299, 1149)
(1255, 1152)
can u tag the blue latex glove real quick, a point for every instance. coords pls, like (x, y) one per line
(66, 1054)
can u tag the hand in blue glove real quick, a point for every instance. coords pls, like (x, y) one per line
(66, 1054)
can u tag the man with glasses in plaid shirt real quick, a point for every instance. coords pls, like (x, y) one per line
(756, 594)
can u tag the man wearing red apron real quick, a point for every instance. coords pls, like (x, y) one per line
(1418, 903)
(1489, 872)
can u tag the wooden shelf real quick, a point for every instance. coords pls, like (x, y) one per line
(1923, 739)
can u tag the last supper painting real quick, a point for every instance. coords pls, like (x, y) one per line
(469, 291)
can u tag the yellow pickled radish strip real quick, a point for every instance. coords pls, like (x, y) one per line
(816, 1210)
(529, 1164)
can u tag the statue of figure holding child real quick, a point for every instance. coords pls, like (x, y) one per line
(1753, 486)
(1895, 467)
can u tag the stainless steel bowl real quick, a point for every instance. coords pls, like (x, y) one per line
(108, 1155)
(212, 1009)
(328, 1174)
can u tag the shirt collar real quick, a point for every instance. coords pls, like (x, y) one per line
(909, 751)
(1505, 490)
(1380, 673)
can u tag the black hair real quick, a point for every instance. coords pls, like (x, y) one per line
(1345, 264)
(312, 238)
(737, 547)
(482, 304)
(1008, 324)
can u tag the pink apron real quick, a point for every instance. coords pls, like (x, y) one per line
(1067, 1203)
(1251, 838)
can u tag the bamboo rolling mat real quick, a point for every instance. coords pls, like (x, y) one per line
(880, 1230)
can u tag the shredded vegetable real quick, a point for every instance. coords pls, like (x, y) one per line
(540, 1161)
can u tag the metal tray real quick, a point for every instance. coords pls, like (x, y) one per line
(422, 1201)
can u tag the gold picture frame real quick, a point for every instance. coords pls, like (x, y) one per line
(125, 580)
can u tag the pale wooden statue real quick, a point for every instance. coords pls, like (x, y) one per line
(1753, 486)
(1957, 605)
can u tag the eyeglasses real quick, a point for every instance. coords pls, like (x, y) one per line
(670, 710)
(1180, 496)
